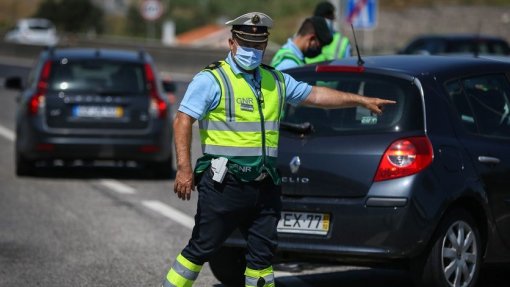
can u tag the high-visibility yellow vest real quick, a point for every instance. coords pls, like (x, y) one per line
(244, 127)
(285, 54)
(335, 50)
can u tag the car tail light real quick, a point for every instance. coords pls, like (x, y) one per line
(344, 69)
(158, 106)
(405, 157)
(37, 100)
(149, 149)
(45, 147)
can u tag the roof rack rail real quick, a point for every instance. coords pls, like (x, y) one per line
(142, 53)
(50, 49)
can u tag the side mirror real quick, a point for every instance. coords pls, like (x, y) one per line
(14, 83)
(169, 86)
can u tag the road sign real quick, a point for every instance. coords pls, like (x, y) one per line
(151, 9)
(361, 13)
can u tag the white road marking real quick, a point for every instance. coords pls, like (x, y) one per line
(170, 212)
(7, 133)
(117, 186)
(288, 279)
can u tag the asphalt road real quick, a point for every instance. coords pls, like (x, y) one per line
(116, 227)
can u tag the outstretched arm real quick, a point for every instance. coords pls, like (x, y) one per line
(183, 184)
(323, 97)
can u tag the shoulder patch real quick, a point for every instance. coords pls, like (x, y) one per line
(267, 66)
(214, 65)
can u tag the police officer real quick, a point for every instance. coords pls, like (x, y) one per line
(340, 46)
(312, 35)
(238, 102)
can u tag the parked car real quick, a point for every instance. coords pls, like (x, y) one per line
(90, 105)
(34, 31)
(423, 186)
(457, 44)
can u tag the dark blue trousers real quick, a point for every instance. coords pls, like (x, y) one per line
(252, 207)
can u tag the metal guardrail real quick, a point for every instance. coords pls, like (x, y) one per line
(174, 59)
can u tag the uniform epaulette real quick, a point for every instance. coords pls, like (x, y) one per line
(267, 66)
(214, 65)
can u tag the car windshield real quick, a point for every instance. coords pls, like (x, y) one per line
(483, 46)
(97, 76)
(39, 26)
(407, 114)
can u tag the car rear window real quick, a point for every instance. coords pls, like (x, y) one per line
(406, 114)
(97, 76)
(39, 27)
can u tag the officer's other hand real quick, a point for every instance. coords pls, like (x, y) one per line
(184, 184)
(376, 105)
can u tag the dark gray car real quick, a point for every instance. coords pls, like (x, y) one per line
(423, 186)
(82, 106)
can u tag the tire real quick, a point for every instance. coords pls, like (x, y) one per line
(448, 264)
(24, 167)
(228, 266)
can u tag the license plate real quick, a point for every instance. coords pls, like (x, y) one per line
(304, 222)
(97, 112)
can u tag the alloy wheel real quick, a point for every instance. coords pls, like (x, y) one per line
(459, 254)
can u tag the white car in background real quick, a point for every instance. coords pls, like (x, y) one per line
(33, 31)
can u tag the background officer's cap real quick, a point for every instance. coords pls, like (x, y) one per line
(251, 27)
(321, 30)
(325, 9)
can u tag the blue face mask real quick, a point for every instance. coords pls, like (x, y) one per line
(248, 58)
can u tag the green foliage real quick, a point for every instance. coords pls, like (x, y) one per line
(134, 25)
(286, 14)
(72, 16)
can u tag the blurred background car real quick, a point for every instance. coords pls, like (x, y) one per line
(33, 31)
(423, 186)
(81, 106)
(457, 44)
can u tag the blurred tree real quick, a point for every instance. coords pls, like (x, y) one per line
(72, 16)
(134, 25)
(137, 26)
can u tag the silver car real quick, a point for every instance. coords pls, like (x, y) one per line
(33, 31)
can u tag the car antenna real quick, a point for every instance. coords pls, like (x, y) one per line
(360, 61)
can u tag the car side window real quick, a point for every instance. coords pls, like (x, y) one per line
(488, 99)
(464, 111)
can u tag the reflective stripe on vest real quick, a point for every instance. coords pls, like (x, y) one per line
(234, 127)
(284, 54)
(254, 277)
(336, 50)
(182, 274)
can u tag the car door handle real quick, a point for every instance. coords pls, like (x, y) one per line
(488, 159)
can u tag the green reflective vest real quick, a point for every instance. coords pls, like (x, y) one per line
(335, 50)
(244, 127)
(285, 54)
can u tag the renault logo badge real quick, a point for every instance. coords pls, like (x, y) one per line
(295, 163)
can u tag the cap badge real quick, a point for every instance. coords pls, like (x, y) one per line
(255, 19)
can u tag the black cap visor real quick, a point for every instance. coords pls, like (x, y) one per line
(254, 34)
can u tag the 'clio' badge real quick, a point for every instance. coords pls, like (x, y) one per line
(295, 163)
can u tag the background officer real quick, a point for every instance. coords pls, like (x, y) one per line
(239, 102)
(340, 47)
(312, 35)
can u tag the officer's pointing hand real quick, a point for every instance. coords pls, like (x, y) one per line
(184, 184)
(376, 105)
